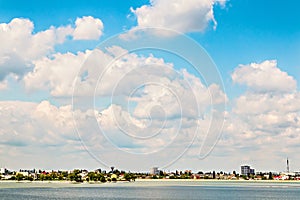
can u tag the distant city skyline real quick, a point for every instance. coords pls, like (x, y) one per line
(199, 85)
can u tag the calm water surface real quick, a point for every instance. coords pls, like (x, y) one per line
(152, 190)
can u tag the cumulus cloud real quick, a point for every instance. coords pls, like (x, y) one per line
(266, 117)
(88, 28)
(182, 16)
(35, 124)
(131, 77)
(274, 131)
(41, 131)
(42, 134)
(56, 74)
(3, 85)
(20, 46)
(264, 77)
(146, 96)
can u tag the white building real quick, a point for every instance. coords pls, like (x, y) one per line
(3, 170)
(23, 173)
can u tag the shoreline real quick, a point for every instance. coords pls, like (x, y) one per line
(150, 183)
(152, 180)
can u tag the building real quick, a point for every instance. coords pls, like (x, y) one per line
(154, 171)
(23, 173)
(3, 171)
(246, 170)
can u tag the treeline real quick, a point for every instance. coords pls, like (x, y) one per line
(76, 175)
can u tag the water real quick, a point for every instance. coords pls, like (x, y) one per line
(152, 190)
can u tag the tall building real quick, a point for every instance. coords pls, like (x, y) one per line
(154, 171)
(246, 170)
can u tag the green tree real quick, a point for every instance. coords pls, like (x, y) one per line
(92, 176)
(53, 175)
(74, 176)
(114, 179)
(102, 179)
(19, 177)
(60, 177)
(270, 176)
(129, 177)
(154, 177)
(64, 174)
(30, 178)
(161, 173)
(41, 177)
(48, 177)
(71, 176)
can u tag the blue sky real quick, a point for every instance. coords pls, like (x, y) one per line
(254, 44)
(257, 30)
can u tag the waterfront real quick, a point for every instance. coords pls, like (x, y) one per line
(209, 190)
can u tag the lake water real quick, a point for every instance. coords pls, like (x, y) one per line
(208, 190)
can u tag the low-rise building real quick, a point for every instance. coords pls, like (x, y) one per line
(3, 171)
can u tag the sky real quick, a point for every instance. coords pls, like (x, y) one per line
(198, 84)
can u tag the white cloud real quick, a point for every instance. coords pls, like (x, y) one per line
(147, 82)
(264, 77)
(35, 124)
(264, 129)
(56, 74)
(158, 96)
(20, 46)
(87, 28)
(3, 85)
(42, 132)
(266, 118)
(178, 15)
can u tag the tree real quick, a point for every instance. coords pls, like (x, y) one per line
(60, 177)
(102, 179)
(92, 176)
(64, 174)
(117, 172)
(19, 177)
(114, 179)
(270, 176)
(53, 175)
(75, 176)
(127, 177)
(42, 177)
(154, 177)
(161, 173)
(48, 177)
(71, 176)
